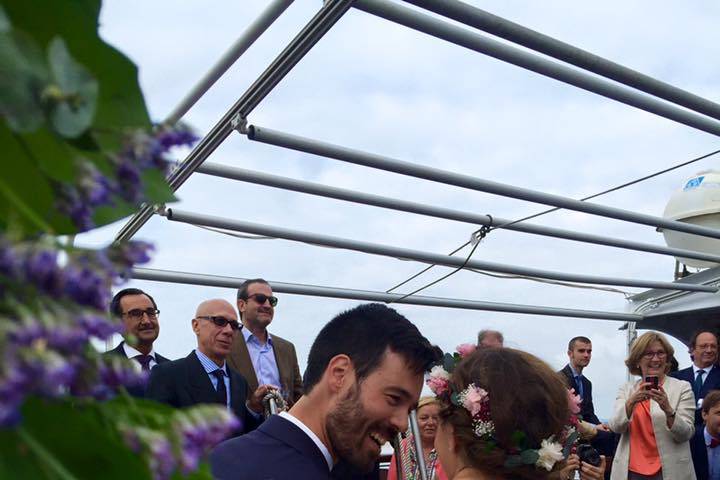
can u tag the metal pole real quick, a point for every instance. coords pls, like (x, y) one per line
(503, 28)
(417, 255)
(516, 56)
(251, 33)
(311, 188)
(318, 26)
(374, 296)
(281, 139)
(420, 456)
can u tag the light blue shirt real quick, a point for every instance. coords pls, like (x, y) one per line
(578, 379)
(263, 360)
(713, 458)
(210, 367)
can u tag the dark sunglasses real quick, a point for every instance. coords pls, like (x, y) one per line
(137, 313)
(261, 299)
(222, 321)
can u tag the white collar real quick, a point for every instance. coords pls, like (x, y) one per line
(707, 370)
(131, 352)
(313, 437)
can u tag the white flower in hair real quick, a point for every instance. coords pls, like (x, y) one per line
(549, 454)
(439, 372)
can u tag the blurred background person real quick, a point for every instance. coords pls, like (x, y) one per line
(428, 415)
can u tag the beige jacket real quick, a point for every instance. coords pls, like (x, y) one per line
(673, 444)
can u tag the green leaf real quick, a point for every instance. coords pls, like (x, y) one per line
(512, 461)
(448, 363)
(4, 21)
(156, 187)
(67, 442)
(71, 113)
(22, 78)
(120, 101)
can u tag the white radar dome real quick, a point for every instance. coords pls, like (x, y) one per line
(697, 202)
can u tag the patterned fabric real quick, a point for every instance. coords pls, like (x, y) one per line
(411, 467)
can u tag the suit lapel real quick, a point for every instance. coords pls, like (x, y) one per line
(238, 394)
(281, 361)
(239, 360)
(710, 382)
(285, 431)
(200, 387)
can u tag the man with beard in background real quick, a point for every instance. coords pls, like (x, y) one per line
(364, 375)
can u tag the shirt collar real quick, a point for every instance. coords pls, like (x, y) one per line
(707, 370)
(131, 352)
(575, 374)
(249, 335)
(208, 364)
(708, 437)
(295, 421)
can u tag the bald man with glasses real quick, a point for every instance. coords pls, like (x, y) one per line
(204, 376)
(260, 357)
(139, 315)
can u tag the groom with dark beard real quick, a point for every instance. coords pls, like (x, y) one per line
(364, 375)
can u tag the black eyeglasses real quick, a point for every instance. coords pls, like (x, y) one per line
(137, 313)
(262, 298)
(221, 321)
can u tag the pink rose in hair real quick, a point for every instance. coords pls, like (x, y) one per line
(473, 400)
(573, 401)
(439, 386)
(466, 349)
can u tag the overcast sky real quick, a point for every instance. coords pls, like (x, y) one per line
(382, 88)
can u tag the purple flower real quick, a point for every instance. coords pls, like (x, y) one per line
(99, 326)
(95, 188)
(129, 183)
(68, 339)
(41, 269)
(23, 335)
(57, 375)
(162, 461)
(9, 263)
(86, 287)
(176, 137)
(114, 372)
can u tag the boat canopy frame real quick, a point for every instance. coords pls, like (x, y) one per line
(673, 307)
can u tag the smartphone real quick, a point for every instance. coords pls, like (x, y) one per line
(653, 381)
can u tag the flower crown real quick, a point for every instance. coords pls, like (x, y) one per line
(476, 401)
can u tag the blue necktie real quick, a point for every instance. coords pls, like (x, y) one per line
(578, 381)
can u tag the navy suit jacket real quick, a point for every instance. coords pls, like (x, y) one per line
(135, 391)
(699, 453)
(184, 382)
(587, 409)
(712, 382)
(277, 450)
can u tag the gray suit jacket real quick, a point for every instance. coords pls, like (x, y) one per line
(285, 357)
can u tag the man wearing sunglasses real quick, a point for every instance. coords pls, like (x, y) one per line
(204, 376)
(139, 315)
(260, 357)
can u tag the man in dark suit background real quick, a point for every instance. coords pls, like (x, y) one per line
(703, 375)
(365, 373)
(139, 315)
(203, 376)
(260, 357)
(579, 354)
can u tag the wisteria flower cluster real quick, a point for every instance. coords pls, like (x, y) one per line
(476, 401)
(52, 304)
(94, 189)
(191, 435)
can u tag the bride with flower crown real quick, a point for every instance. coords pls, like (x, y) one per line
(505, 415)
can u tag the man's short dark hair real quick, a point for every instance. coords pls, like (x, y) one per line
(696, 334)
(242, 293)
(574, 340)
(711, 399)
(364, 334)
(116, 309)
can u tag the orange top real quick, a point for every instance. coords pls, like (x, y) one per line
(644, 455)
